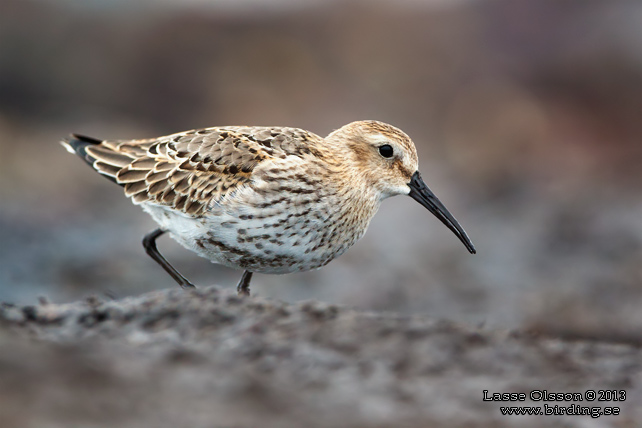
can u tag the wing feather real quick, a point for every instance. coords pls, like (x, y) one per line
(191, 170)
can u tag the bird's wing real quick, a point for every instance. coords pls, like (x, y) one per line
(190, 170)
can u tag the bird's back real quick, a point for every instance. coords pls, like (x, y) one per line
(191, 170)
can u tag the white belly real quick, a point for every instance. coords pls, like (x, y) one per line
(274, 241)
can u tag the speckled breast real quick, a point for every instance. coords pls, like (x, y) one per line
(277, 238)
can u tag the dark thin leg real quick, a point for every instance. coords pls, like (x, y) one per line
(149, 242)
(243, 289)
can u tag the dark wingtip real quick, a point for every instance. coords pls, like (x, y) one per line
(85, 139)
(76, 143)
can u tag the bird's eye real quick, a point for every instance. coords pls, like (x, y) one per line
(386, 151)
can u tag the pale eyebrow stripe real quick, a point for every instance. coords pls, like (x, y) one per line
(380, 138)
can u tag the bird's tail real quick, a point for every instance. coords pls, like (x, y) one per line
(79, 144)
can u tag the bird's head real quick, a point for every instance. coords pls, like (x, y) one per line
(386, 158)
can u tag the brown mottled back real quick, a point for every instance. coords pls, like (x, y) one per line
(189, 170)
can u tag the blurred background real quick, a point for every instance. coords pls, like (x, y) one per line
(527, 116)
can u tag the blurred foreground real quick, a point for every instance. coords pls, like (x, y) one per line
(207, 358)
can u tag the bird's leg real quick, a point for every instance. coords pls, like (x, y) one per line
(243, 289)
(149, 242)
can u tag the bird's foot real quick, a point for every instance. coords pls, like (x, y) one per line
(187, 285)
(243, 288)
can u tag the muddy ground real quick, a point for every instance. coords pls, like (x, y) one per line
(208, 358)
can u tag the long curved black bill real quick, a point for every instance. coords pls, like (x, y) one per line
(422, 194)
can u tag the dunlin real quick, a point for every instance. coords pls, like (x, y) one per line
(264, 199)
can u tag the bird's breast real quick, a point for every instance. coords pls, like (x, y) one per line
(289, 230)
